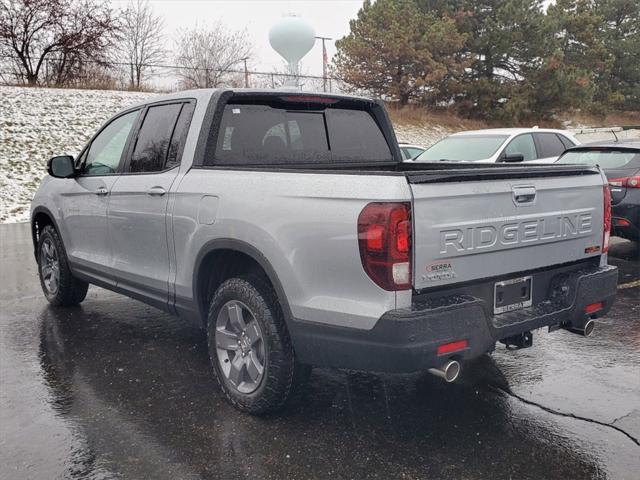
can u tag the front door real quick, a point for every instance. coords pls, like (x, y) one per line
(138, 207)
(85, 203)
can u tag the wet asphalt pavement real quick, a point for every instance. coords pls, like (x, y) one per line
(116, 389)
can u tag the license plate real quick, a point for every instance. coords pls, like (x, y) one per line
(510, 295)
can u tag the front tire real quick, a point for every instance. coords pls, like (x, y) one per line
(249, 346)
(58, 284)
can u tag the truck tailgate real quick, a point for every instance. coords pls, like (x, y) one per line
(469, 227)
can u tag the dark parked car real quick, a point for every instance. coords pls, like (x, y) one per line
(621, 163)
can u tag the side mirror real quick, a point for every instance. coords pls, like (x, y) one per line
(513, 158)
(61, 167)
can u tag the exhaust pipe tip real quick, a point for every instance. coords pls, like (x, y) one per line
(586, 330)
(449, 372)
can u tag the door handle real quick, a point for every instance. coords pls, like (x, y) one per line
(156, 191)
(101, 191)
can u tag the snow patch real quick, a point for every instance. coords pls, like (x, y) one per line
(39, 123)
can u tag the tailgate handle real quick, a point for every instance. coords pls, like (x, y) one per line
(524, 195)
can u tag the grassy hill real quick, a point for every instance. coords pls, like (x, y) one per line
(38, 123)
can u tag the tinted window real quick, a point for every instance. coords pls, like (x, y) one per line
(604, 158)
(152, 144)
(354, 134)
(461, 148)
(566, 142)
(179, 135)
(267, 135)
(550, 145)
(522, 144)
(106, 149)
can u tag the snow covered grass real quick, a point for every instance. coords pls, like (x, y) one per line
(39, 123)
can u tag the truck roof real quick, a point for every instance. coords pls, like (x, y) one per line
(206, 93)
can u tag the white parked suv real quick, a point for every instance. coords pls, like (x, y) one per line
(501, 145)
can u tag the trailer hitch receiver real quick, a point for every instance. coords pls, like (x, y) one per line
(516, 342)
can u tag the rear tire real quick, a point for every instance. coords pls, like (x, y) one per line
(250, 348)
(58, 284)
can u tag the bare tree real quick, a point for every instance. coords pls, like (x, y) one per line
(141, 41)
(206, 56)
(65, 31)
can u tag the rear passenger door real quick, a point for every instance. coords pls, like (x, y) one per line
(549, 146)
(138, 206)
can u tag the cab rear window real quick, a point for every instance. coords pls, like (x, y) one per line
(258, 135)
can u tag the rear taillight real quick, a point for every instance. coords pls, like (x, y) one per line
(446, 348)
(607, 219)
(384, 237)
(593, 307)
(627, 182)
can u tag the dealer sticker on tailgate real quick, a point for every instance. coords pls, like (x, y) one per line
(513, 294)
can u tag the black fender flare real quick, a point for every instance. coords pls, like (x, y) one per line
(47, 212)
(250, 251)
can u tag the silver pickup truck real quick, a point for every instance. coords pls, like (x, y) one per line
(287, 225)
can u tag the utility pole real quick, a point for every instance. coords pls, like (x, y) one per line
(246, 73)
(325, 61)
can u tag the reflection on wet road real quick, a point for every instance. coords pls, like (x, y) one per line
(116, 389)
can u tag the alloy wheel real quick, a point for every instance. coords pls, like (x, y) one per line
(240, 346)
(50, 266)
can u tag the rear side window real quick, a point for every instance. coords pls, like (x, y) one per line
(413, 152)
(268, 135)
(179, 135)
(550, 145)
(566, 142)
(151, 146)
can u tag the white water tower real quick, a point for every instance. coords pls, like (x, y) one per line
(292, 38)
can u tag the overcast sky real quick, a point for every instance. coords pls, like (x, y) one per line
(330, 18)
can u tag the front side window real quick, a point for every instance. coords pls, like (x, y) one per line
(256, 134)
(151, 146)
(522, 145)
(104, 154)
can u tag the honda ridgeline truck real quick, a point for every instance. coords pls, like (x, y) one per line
(288, 227)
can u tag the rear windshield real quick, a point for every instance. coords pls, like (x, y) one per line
(258, 135)
(604, 158)
(469, 148)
